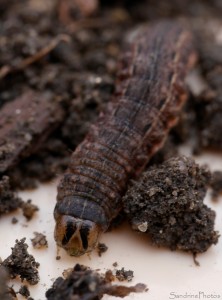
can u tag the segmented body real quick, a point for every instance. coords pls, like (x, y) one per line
(150, 94)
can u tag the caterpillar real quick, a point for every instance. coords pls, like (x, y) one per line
(149, 96)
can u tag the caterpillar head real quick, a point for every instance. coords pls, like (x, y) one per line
(76, 236)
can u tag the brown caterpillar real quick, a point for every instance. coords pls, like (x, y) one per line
(150, 94)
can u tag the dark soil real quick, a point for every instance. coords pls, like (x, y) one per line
(208, 103)
(167, 203)
(216, 184)
(39, 241)
(9, 201)
(24, 291)
(101, 248)
(124, 275)
(86, 284)
(21, 263)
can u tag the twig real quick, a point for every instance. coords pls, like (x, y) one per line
(5, 70)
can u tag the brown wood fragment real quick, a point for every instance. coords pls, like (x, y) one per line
(24, 125)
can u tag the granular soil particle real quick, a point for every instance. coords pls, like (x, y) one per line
(101, 248)
(39, 241)
(9, 201)
(24, 291)
(6, 293)
(167, 203)
(21, 263)
(29, 209)
(216, 184)
(207, 104)
(124, 275)
(86, 284)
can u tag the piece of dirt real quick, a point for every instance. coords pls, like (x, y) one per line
(209, 120)
(29, 209)
(86, 284)
(21, 263)
(9, 201)
(124, 275)
(39, 241)
(24, 291)
(14, 220)
(167, 203)
(78, 73)
(207, 105)
(216, 184)
(101, 248)
(54, 154)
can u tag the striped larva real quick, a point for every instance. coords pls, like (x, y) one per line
(150, 95)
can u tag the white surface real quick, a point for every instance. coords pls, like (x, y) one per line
(168, 275)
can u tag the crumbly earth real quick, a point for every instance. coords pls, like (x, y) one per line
(84, 284)
(167, 203)
(101, 248)
(216, 184)
(24, 291)
(124, 275)
(29, 209)
(39, 241)
(21, 263)
(9, 201)
(54, 154)
(207, 103)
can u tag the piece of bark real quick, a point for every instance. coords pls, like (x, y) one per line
(24, 124)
